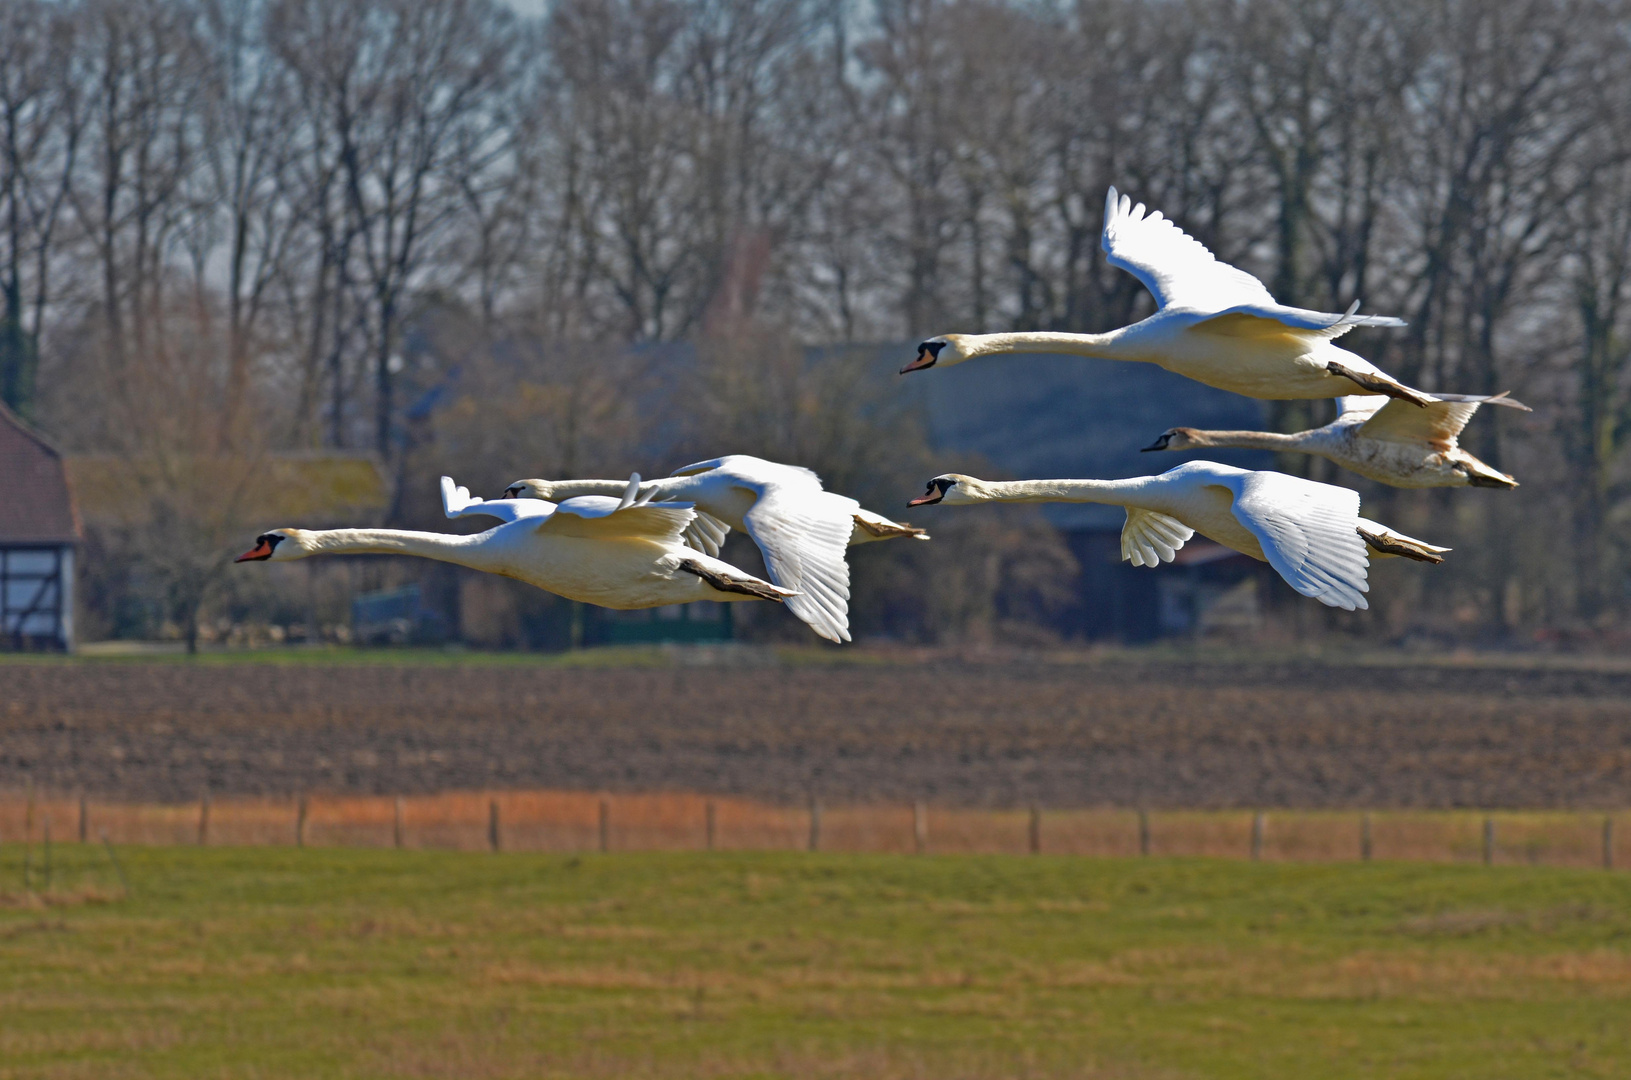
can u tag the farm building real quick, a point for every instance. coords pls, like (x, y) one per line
(39, 531)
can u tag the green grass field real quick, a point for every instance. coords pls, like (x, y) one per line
(276, 962)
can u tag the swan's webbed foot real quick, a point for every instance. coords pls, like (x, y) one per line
(885, 530)
(1380, 384)
(726, 583)
(1402, 546)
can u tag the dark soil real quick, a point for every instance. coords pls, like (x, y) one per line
(1151, 734)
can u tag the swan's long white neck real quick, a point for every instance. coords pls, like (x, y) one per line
(1112, 492)
(1043, 341)
(1250, 440)
(560, 490)
(471, 551)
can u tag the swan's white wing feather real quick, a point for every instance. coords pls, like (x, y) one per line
(1149, 538)
(706, 534)
(603, 517)
(1177, 269)
(1309, 535)
(803, 536)
(1277, 320)
(1439, 424)
(457, 502)
(753, 469)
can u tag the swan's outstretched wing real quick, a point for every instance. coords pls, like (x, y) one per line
(1276, 320)
(1149, 538)
(803, 534)
(603, 517)
(1360, 407)
(1439, 424)
(457, 502)
(1309, 535)
(1177, 269)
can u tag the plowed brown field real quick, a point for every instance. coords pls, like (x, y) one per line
(967, 733)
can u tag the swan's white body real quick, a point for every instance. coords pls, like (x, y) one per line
(1388, 441)
(1310, 533)
(800, 528)
(615, 553)
(1214, 323)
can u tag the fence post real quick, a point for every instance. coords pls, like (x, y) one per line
(815, 824)
(1036, 829)
(1608, 843)
(492, 824)
(1365, 837)
(1143, 832)
(396, 822)
(920, 826)
(708, 816)
(203, 819)
(1489, 841)
(1257, 835)
(605, 824)
(84, 818)
(300, 822)
(45, 822)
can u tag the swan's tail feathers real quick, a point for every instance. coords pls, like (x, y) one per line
(630, 493)
(455, 498)
(1377, 383)
(1352, 318)
(1150, 539)
(870, 526)
(1383, 541)
(736, 583)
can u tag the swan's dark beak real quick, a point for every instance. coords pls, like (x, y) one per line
(927, 354)
(1158, 444)
(259, 553)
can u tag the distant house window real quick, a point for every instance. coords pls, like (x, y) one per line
(31, 594)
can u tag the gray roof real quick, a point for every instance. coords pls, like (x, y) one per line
(36, 506)
(1068, 417)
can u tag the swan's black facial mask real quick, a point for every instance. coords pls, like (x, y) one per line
(513, 491)
(265, 544)
(1159, 444)
(927, 354)
(937, 491)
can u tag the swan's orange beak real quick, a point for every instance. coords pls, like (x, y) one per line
(261, 550)
(925, 358)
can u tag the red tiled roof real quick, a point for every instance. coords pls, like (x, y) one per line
(35, 503)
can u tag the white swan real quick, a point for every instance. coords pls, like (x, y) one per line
(1310, 533)
(801, 529)
(1213, 323)
(1387, 441)
(617, 553)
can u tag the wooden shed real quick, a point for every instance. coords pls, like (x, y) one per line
(39, 531)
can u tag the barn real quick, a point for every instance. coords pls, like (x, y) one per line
(39, 531)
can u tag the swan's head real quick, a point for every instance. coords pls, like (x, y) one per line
(953, 489)
(530, 489)
(279, 545)
(944, 351)
(1178, 438)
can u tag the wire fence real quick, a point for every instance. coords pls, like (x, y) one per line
(575, 821)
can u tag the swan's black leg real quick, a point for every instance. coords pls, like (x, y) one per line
(726, 583)
(1380, 384)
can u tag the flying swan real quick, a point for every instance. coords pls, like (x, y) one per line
(1310, 533)
(615, 552)
(1214, 323)
(1384, 440)
(801, 529)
